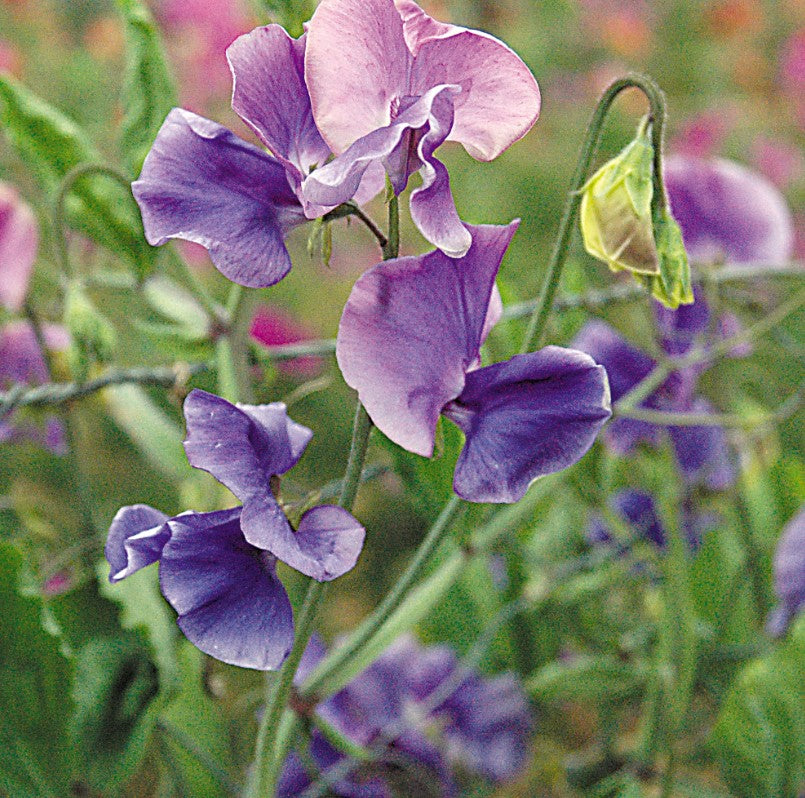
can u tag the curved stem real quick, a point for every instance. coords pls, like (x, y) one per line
(536, 328)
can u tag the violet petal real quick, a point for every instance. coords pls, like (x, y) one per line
(136, 539)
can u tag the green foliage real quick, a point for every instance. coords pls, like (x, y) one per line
(35, 673)
(92, 336)
(585, 677)
(148, 90)
(759, 737)
(51, 145)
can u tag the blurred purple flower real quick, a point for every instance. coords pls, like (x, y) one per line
(389, 84)
(201, 183)
(424, 714)
(529, 416)
(22, 363)
(701, 452)
(217, 570)
(19, 240)
(789, 576)
(728, 212)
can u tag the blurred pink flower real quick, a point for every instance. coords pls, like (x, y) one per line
(780, 161)
(792, 72)
(702, 135)
(10, 58)
(58, 583)
(272, 326)
(19, 239)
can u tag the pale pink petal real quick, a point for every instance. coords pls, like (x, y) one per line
(19, 239)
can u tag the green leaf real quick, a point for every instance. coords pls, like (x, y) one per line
(35, 758)
(585, 677)
(114, 689)
(148, 90)
(759, 737)
(51, 144)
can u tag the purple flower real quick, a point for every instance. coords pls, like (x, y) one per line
(789, 576)
(19, 240)
(389, 84)
(217, 569)
(202, 183)
(728, 212)
(701, 452)
(423, 714)
(21, 362)
(409, 342)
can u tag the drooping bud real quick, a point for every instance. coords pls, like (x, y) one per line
(623, 228)
(615, 209)
(93, 336)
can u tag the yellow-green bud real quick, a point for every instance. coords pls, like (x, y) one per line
(615, 212)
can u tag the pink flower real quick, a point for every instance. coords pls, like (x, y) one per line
(19, 239)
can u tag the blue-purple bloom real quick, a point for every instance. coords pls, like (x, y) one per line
(217, 570)
(423, 714)
(409, 342)
(789, 576)
(202, 183)
(389, 84)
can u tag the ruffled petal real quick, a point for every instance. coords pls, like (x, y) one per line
(325, 546)
(390, 145)
(356, 68)
(499, 100)
(19, 242)
(529, 416)
(230, 602)
(728, 212)
(242, 446)
(136, 538)
(410, 330)
(202, 183)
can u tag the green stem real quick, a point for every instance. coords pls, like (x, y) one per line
(539, 319)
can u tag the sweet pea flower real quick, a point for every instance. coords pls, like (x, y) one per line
(789, 576)
(217, 570)
(202, 183)
(19, 241)
(728, 213)
(425, 714)
(529, 416)
(701, 452)
(388, 84)
(22, 363)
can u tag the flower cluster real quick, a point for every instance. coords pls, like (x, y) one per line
(218, 569)
(422, 714)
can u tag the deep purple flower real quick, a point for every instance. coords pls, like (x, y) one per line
(389, 84)
(202, 183)
(701, 452)
(409, 342)
(19, 240)
(217, 569)
(789, 576)
(22, 362)
(424, 714)
(728, 212)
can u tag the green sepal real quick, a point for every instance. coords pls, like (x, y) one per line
(672, 286)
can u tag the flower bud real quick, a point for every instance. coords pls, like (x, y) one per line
(615, 214)
(93, 336)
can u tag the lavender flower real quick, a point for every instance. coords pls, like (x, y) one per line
(202, 183)
(19, 240)
(728, 212)
(22, 363)
(217, 569)
(389, 84)
(701, 452)
(523, 418)
(423, 714)
(789, 576)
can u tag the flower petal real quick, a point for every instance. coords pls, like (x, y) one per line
(526, 417)
(728, 212)
(356, 68)
(230, 602)
(202, 183)
(19, 241)
(270, 95)
(499, 99)
(136, 538)
(410, 330)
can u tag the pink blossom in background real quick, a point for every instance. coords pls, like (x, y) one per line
(792, 72)
(199, 31)
(19, 239)
(58, 583)
(10, 58)
(702, 135)
(272, 326)
(780, 162)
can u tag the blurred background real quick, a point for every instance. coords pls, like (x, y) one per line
(734, 74)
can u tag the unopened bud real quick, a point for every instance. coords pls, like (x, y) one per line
(93, 336)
